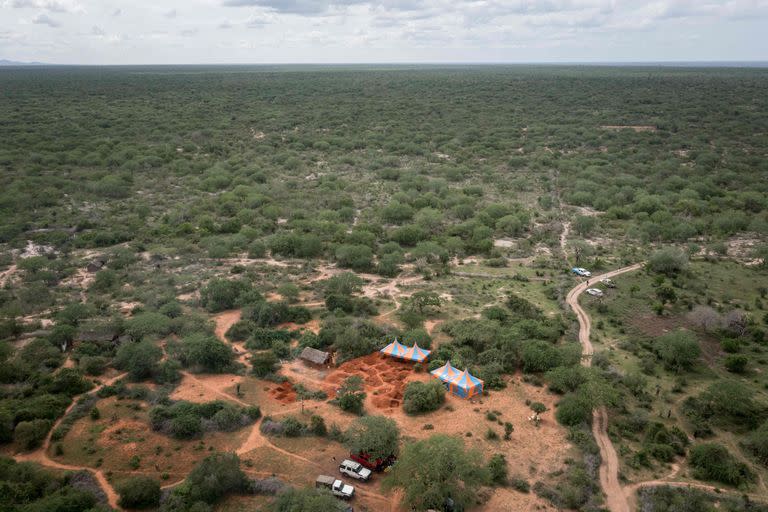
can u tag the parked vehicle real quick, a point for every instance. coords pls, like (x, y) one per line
(377, 465)
(608, 282)
(355, 470)
(336, 486)
(595, 292)
(579, 271)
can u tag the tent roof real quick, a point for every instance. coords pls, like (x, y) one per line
(416, 353)
(395, 348)
(466, 380)
(446, 372)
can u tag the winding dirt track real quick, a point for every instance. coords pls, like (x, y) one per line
(615, 498)
(41, 454)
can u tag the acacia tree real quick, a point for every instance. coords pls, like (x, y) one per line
(375, 435)
(423, 300)
(678, 349)
(433, 471)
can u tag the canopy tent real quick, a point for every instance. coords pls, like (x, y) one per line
(466, 385)
(416, 353)
(394, 349)
(446, 373)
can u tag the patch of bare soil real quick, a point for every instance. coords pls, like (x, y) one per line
(283, 393)
(5, 275)
(385, 378)
(635, 127)
(504, 243)
(655, 325)
(80, 280)
(191, 296)
(205, 388)
(32, 250)
(742, 249)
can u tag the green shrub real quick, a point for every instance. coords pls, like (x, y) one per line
(711, 461)
(264, 363)
(497, 469)
(139, 492)
(573, 410)
(679, 350)
(420, 397)
(29, 434)
(221, 294)
(736, 363)
(317, 426)
(520, 485)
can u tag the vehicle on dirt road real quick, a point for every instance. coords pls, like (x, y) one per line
(374, 465)
(579, 271)
(355, 470)
(336, 486)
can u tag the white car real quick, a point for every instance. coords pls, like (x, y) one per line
(355, 470)
(579, 271)
(608, 282)
(595, 292)
(337, 487)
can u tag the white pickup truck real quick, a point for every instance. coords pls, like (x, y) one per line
(337, 487)
(355, 470)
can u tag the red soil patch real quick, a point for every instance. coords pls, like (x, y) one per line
(384, 378)
(284, 393)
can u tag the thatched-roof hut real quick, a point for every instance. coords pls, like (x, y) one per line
(314, 356)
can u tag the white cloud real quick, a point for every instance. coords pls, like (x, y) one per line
(386, 30)
(59, 6)
(44, 19)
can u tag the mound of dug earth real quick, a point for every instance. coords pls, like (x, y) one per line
(385, 378)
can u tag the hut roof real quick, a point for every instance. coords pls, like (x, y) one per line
(314, 356)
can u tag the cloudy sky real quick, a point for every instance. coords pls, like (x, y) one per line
(334, 31)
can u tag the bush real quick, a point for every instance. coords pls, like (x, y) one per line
(206, 353)
(711, 461)
(264, 363)
(420, 397)
(138, 358)
(520, 485)
(736, 363)
(573, 410)
(668, 261)
(317, 426)
(679, 350)
(139, 492)
(307, 499)
(376, 436)
(215, 477)
(293, 427)
(221, 294)
(757, 443)
(356, 257)
(186, 426)
(147, 324)
(497, 469)
(350, 396)
(29, 434)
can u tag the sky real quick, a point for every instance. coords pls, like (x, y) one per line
(381, 31)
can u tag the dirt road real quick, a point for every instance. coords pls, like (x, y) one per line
(41, 454)
(616, 500)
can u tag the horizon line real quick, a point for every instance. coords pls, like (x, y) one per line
(729, 63)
